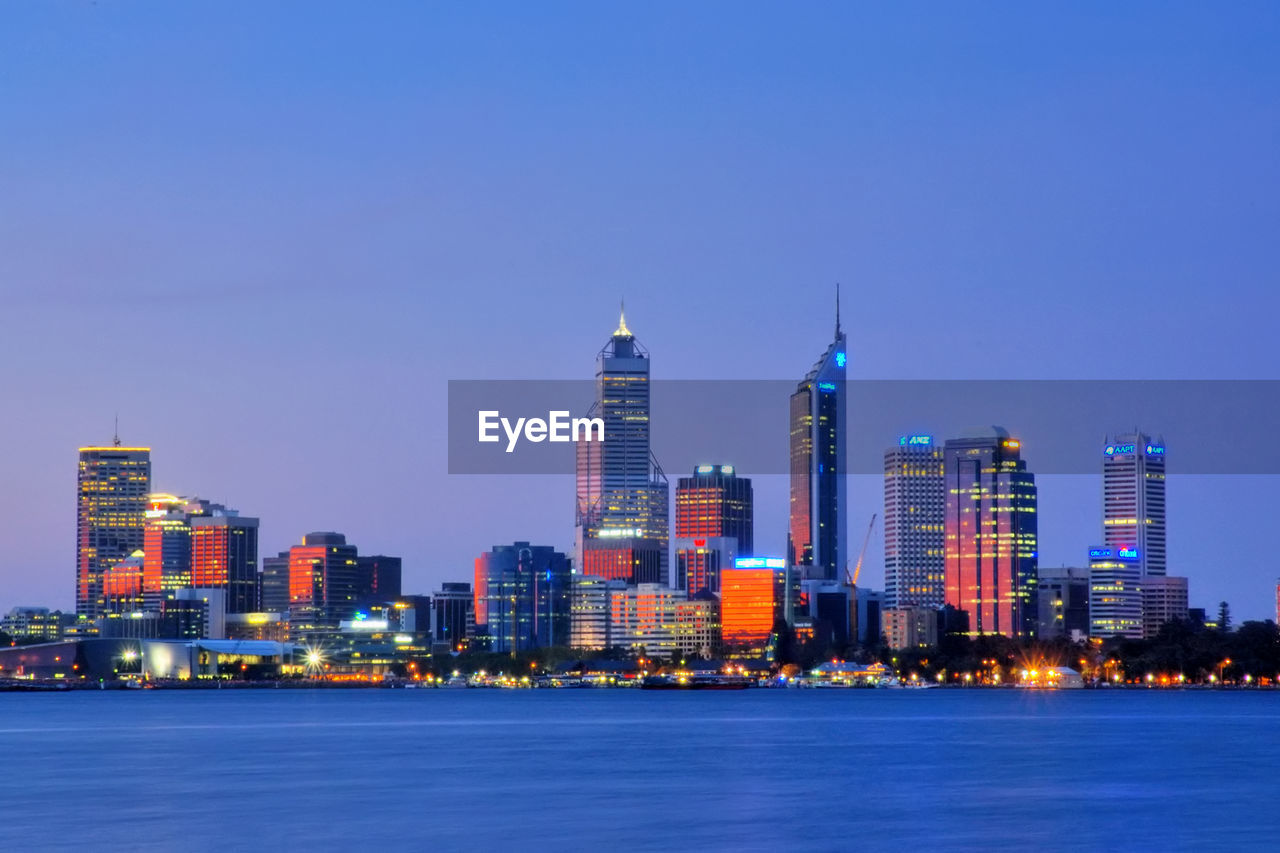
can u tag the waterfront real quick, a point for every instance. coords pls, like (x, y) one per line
(582, 769)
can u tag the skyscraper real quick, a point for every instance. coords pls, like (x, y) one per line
(914, 517)
(714, 525)
(521, 598)
(753, 601)
(1133, 499)
(990, 533)
(324, 581)
(1115, 593)
(816, 536)
(111, 503)
(224, 555)
(622, 493)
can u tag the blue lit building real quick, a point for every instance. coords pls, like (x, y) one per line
(521, 598)
(817, 540)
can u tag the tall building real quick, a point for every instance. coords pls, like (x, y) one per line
(817, 539)
(451, 615)
(753, 601)
(224, 555)
(615, 555)
(1062, 603)
(914, 518)
(521, 598)
(166, 561)
(714, 525)
(1164, 599)
(111, 504)
(990, 533)
(324, 581)
(1115, 593)
(620, 486)
(1133, 499)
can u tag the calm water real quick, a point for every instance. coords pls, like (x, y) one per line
(582, 769)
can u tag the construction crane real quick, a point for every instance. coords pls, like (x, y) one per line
(852, 580)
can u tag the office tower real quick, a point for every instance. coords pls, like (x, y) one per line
(816, 536)
(1115, 593)
(451, 615)
(590, 606)
(990, 533)
(111, 502)
(1164, 599)
(324, 581)
(521, 598)
(166, 561)
(1133, 499)
(914, 518)
(870, 613)
(714, 525)
(825, 607)
(620, 486)
(273, 584)
(753, 602)
(910, 627)
(1062, 603)
(616, 556)
(122, 586)
(224, 555)
(661, 622)
(379, 577)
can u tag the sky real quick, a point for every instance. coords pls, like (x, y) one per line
(268, 235)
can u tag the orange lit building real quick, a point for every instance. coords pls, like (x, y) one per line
(752, 601)
(224, 555)
(626, 559)
(323, 580)
(714, 526)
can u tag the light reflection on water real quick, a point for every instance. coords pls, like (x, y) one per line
(583, 769)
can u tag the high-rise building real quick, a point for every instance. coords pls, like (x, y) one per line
(1115, 593)
(914, 517)
(273, 584)
(590, 609)
(224, 555)
(111, 503)
(379, 577)
(817, 539)
(616, 556)
(166, 561)
(451, 615)
(1164, 599)
(1133, 499)
(1062, 603)
(910, 627)
(714, 525)
(521, 598)
(620, 486)
(990, 533)
(753, 601)
(324, 581)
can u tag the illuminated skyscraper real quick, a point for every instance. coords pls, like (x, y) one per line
(753, 602)
(1115, 593)
(914, 517)
(166, 563)
(620, 486)
(990, 533)
(714, 525)
(1133, 499)
(521, 598)
(324, 581)
(111, 503)
(816, 536)
(224, 555)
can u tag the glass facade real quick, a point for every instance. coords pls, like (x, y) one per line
(522, 598)
(112, 486)
(914, 518)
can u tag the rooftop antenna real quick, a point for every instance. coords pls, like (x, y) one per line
(837, 309)
(623, 331)
(115, 440)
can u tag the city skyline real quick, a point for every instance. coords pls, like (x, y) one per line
(1089, 180)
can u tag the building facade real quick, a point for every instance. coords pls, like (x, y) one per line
(1133, 499)
(817, 539)
(714, 525)
(112, 485)
(521, 598)
(619, 484)
(1164, 599)
(753, 602)
(914, 521)
(1115, 593)
(910, 627)
(662, 622)
(1062, 603)
(990, 533)
(452, 620)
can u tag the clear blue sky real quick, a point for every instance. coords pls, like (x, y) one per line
(268, 234)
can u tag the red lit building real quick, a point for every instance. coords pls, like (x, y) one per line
(752, 601)
(714, 525)
(626, 559)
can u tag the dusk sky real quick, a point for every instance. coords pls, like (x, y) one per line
(267, 235)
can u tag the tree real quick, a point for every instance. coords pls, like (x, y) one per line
(1224, 616)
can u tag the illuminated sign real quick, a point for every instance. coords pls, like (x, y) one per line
(841, 358)
(1113, 449)
(403, 639)
(706, 469)
(1013, 443)
(618, 533)
(1099, 553)
(915, 440)
(1155, 450)
(759, 563)
(826, 386)
(1127, 553)
(726, 469)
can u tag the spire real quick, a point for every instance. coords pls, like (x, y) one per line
(837, 309)
(622, 331)
(115, 439)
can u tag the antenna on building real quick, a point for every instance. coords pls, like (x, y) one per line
(115, 439)
(837, 309)
(622, 331)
